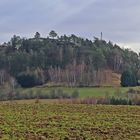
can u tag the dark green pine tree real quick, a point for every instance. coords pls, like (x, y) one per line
(128, 78)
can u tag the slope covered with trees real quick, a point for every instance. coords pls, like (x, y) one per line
(63, 60)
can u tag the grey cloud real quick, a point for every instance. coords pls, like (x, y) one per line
(119, 20)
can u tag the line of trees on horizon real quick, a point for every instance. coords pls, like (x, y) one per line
(68, 60)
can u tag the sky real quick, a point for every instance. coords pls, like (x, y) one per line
(119, 20)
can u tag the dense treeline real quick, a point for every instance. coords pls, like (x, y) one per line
(68, 60)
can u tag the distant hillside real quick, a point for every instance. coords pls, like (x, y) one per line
(65, 60)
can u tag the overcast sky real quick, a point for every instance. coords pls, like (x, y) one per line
(119, 20)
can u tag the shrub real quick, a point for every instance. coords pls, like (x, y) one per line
(128, 78)
(26, 79)
(103, 100)
(135, 99)
(118, 101)
(89, 100)
(30, 78)
(75, 94)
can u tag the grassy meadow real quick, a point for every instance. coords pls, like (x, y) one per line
(83, 91)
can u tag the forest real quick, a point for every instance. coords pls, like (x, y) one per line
(66, 60)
